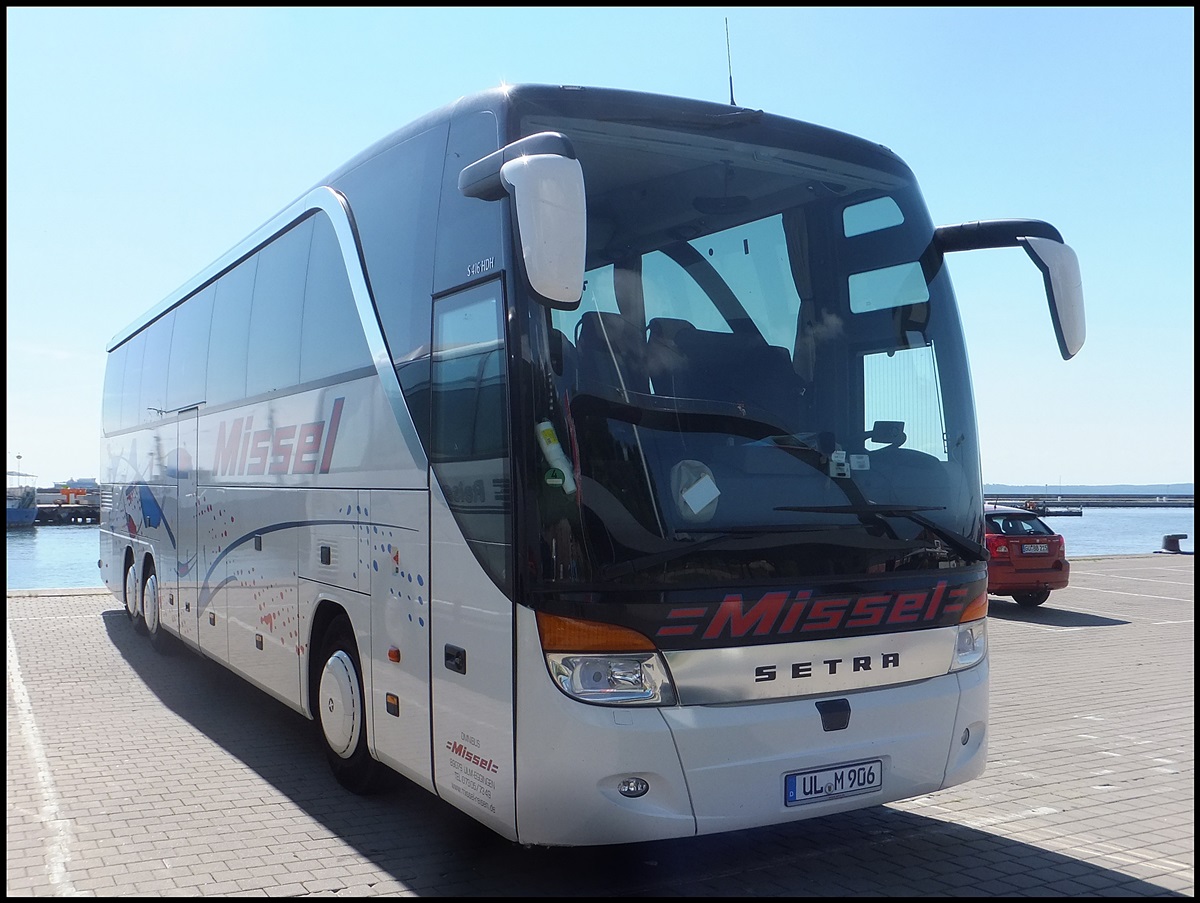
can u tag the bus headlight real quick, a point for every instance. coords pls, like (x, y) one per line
(970, 645)
(612, 679)
(604, 663)
(970, 642)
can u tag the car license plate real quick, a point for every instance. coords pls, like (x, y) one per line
(1035, 548)
(832, 782)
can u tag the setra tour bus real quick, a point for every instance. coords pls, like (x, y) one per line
(604, 463)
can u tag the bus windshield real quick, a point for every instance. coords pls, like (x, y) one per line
(766, 376)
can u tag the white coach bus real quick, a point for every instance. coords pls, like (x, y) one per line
(604, 463)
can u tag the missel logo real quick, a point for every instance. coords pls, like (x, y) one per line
(298, 448)
(798, 613)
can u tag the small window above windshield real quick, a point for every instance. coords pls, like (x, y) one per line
(871, 216)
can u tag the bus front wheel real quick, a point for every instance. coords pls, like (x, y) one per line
(340, 711)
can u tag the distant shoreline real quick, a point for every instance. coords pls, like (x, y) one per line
(1167, 489)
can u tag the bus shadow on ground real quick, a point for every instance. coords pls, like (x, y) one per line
(1047, 615)
(429, 847)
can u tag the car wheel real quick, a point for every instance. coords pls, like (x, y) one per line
(340, 711)
(1032, 600)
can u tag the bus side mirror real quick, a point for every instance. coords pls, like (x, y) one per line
(1045, 247)
(1064, 290)
(545, 181)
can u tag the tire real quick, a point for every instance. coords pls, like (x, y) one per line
(152, 612)
(133, 598)
(1032, 600)
(340, 711)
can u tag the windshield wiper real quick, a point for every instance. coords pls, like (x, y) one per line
(662, 412)
(697, 415)
(645, 561)
(964, 545)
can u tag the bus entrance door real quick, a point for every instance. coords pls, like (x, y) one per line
(400, 624)
(182, 615)
(471, 664)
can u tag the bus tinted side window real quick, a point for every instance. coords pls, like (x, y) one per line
(469, 230)
(469, 449)
(189, 350)
(331, 337)
(394, 198)
(230, 335)
(131, 384)
(152, 403)
(275, 317)
(114, 381)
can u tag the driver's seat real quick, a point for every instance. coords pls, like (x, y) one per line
(740, 368)
(611, 352)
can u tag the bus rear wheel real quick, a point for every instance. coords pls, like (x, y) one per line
(133, 597)
(340, 711)
(152, 611)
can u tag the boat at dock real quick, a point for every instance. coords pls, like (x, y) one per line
(1046, 509)
(20, 508)
(20, 498)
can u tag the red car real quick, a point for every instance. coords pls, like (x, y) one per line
(1028, 558)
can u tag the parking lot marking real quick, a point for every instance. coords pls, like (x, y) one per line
(59, 847)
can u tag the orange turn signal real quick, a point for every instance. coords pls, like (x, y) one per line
(561, 634)
(978, 608)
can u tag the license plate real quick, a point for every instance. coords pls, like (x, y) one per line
(832, 782)
(1035, 548)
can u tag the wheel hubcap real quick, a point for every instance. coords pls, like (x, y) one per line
(131, 593)
(338, 704)
(150, 603)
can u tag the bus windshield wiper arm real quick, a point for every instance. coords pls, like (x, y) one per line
(662, 412)
(964, 545)
(644, 561)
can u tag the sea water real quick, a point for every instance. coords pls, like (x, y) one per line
(1124, 531)
(64, 556)
(58, 556)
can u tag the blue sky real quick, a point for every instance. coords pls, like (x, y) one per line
(143, 143)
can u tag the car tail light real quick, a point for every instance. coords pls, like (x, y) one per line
(996, 544)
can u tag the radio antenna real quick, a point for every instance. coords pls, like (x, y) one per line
(729, 57)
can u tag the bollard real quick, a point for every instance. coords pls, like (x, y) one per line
(1171, 542)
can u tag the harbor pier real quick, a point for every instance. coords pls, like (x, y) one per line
(68, 504)
(67, 513)
(1074, 502)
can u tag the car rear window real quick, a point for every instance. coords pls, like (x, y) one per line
(1018, 525)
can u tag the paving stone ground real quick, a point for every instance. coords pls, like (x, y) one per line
(133, 774)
